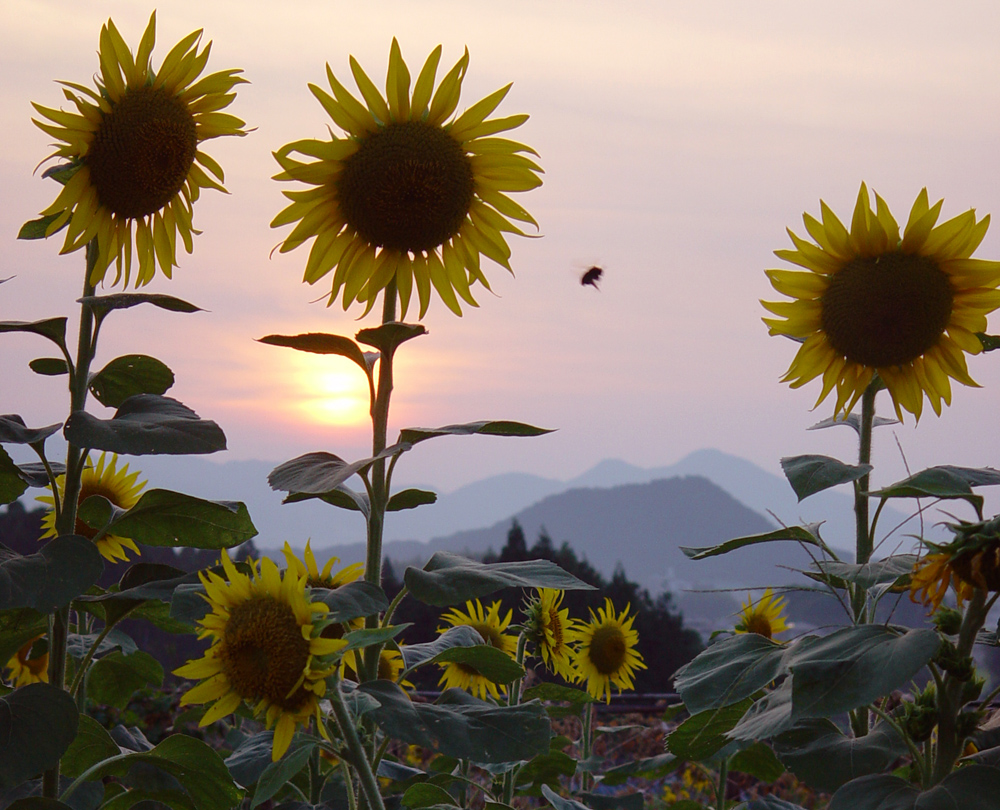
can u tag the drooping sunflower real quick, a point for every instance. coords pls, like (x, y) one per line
(134, 166)
(552, 631)
(409, 193)
(491, 627)
(120, 487)
(873, 302)
(971, 560)
(267, 649)
(607, 652)
(30, 664)
(765, 617)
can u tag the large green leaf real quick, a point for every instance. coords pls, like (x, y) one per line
(759, 761)
(425, 794)
(278, 774)
(35, 474)
(115, 678)
(92, 744)
(321, 343)
(359, 639)
(946, 482)
(341, 496)
(770, 715)
(545, 769)
(799, 534)
(974, 787)
(493, 664)
(147, 424)
(351, 600)
(37, 724)
(142, 582)
(14, 431)
(36, 228)
(103, 304)
(870, 574)
(823, 757)
(388, 337)
(12, 486)
(415, 655)
(164, 518)
(811, 474)
(129, 375)
(17, 628)
(484, 428)
(471, 729)
(52, 328)
(702, 734)
(63, 569)
(252, 756)
(448, 579)
(320, 472)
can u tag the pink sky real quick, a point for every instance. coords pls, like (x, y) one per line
(679, 140)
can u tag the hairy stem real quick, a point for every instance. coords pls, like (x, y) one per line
(359, 757)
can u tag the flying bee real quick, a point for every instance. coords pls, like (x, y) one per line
(592, 276)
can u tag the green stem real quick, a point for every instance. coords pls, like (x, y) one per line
(864, 542)
(315, 779)
(81, 671)
(513, 700)
(387, 618)
(586, 742)
(720, 792)
(352, 800)
(359, 757)
(914, 749)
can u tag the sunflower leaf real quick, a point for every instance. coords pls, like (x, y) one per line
(555, 691)
(37, 724)
(103, 304)
(811, 474)
(484, 428)
(12, 483)
(128, 375)
(415, 655)
(649, 768)
(63, 569)
(447, 579)
(974, 787)
(388, 337)
(93, 744)
(146, 424)
(49, 366)
(558, 802)
(702, 734)
(320, 473)
(52, 328)
(341, 496)
(115, 678)
(800, 534)
(359, 639)
(493, 664)
(759, 761)
(870, 574)
(278, 774)
(852, 420)
(34, 473)
(321, 343)
(36, 228)
(990, 342)
(14, 431)
(141, 583)
(410, 499)
(945, 482)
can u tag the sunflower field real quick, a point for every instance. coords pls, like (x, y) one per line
(302, 694)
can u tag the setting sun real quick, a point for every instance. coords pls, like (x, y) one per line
(329, 396)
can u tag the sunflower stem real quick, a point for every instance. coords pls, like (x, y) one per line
(359, 757)
(586, 741)
(513, 700)
(863, 530)
(66, 520)
(720, 791)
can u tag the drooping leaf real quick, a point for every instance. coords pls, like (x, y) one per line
(823, 757)
(35, 474)
(811, 474)
(341, 496)
(770, 715)
(351, 600)
(946, 482)
(470, 729)
(78, 644)
(448, 579)
(870, 574)
(115, 678)
(12, 485)
(37, 724)
(63, 569)
(493, 664)
(852, 420)
(359, 639)
(52, 328)
(14, 431)
(702, 734)
(252, 757)
(484, 428)
(36, 228)
(147, 424)
(389, 336)
(319, 473)
(759, 761)
(415, 655)
(102, 304)
(92, 744)
(129, 375)
(410, 499)
(142, 582)
(799, 534)
(49, 366)
(277, 774)
(321, 343)
(545, 769)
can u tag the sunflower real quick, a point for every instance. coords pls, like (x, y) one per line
(410, 193)
(552, 631)
(30, 664)
(607, 653)
(874, 303)
(132, 152)
(120, 487)
(390, 667)
(764, 617)
(267, 649)
(971, 560)
(930, 580)
(491, 627)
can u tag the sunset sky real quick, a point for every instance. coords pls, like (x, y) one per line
(679, 140)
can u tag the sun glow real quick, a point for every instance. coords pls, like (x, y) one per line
(330, 396)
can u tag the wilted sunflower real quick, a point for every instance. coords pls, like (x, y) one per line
(133, 154)
(971, 560)
(120, 487)
(764, 617)
(873, 302)
(267, 649)
(491, 627)
(30, 664)
(409, 193)
(607, 652)
(552, 631)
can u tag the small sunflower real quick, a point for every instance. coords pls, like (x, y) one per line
(764, 617)
(30, 664)
(971, 560)
(134, 168)
(906, 308)
(410, 193)
(267, 649)
(552, 631)
(607, 653)
(120, 487)
(491, 627)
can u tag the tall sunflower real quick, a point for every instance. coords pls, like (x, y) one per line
(409, 193)
(765, 617)
(266, 649)
(491, 627)
(552, 631)
(134, 165)
(873, 302)
(119, 486)
(30, 664)
(607, 652)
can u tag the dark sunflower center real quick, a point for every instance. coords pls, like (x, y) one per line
(608, 649)
(759, 623)
(263, 653)
(555, 627)
(407, 188)
(886, 310)
(142, 152)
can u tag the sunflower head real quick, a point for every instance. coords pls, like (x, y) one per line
(132, 150)
(30, 664)
(870, 301)
(411, 194)
(607, 653)
(971, 560)
(766, 617)
(267, 650)
(551, 630)
(119, 486)
(327, 578)
(491, 627)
